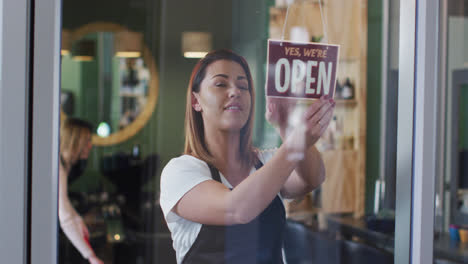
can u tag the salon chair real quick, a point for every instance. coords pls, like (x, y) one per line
(305, 246)
(358, 253)
(129, 174)
(147, 236)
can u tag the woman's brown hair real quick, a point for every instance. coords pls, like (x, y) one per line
(194, 129)
(72, 131)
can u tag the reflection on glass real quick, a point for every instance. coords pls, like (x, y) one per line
(451, 187)
(119, 190)
(75, 146)
(109, 78)
(116, 83)
(134, 78)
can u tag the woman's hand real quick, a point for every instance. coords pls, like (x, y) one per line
(317, 118)
(95, 260)
(83, 228)
(299, 126)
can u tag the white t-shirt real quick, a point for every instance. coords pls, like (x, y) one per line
(179, 176)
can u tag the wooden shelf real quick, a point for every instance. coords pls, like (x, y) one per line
(346, 103)
(349, 60)
(351, 151)
(303, 2)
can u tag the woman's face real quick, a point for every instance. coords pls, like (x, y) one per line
(224, 96)
(86, 146)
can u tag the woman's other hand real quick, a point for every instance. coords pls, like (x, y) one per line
(95, 260)
(317, 117)
(278, 111)
(300, 126)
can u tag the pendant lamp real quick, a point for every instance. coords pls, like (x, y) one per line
(196, 44)
(128, 44)
(84, 50)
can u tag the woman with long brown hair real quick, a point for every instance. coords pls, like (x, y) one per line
(75, 144)
(222, 199)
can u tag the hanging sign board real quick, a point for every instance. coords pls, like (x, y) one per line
(301, 69)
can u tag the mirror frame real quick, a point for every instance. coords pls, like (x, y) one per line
(153, 88)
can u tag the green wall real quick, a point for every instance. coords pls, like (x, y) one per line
(374, 62)
(250, 35)
(174, 69)
(463, 118)
(71, 80)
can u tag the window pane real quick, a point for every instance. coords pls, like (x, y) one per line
(451, 204)
(126, 66)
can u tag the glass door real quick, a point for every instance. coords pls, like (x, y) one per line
(125, 69)
(119, 87)
(450, 230)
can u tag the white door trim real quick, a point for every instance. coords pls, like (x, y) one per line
(417, 123)
(45, 130)
(14, 130)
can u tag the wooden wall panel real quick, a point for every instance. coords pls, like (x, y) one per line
(346, 24)
(339, 189)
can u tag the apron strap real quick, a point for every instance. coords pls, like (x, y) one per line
(215, 173)
(258, 165)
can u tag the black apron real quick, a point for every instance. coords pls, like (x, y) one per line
(259, 241)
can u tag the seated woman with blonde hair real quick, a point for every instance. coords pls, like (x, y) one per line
(75, 144)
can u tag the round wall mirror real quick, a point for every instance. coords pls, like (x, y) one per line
(109, 79)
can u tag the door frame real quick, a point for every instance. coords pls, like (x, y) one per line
(417, 130)
(32, 55)
(29, 134)
(14, 130)
(45, 130)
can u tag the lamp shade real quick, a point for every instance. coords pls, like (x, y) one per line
(196, 44)
(84, 50)
(128, 44)
(299, 34)
(66, 42)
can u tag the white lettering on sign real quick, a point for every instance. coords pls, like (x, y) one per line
(282, 88)
(324, 76)
(310, 79)
(298, 72)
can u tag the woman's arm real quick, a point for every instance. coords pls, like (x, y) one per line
(307, 176)
(210, 202)
(71, 223)
(310, 172)
(66, 210)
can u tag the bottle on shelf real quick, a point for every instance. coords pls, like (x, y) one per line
(338, 132)
(348, 90)
(333, 130)
(338, 90)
